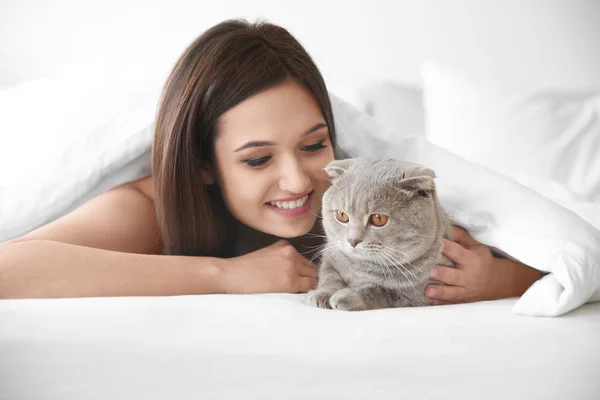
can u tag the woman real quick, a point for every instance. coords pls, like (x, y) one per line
(243, 132)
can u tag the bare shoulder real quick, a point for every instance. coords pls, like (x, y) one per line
(145, 185)
(120, 219)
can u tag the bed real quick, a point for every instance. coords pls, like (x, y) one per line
(273, 346)
(544, 345)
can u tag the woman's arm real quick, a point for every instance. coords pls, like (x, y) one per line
(520, 277)
(109, 246)
(478, 275)
(48, 269)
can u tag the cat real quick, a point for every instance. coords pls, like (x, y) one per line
(384, 225)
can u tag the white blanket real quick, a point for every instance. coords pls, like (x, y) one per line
(496, 210)
(499, 212)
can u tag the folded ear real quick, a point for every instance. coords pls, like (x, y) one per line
(422, 186)
(427, 172)
(337, 168)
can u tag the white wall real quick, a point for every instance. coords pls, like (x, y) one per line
(353, 42)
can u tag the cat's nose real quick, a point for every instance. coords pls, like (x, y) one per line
(354, 242)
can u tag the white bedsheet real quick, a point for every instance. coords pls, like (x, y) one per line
(274, 347)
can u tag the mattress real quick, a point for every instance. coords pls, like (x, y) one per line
(272, 346)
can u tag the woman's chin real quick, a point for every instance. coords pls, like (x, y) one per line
(291, 230)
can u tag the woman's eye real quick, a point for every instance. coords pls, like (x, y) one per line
(258, 161)
(314, 147)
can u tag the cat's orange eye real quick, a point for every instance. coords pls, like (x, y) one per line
(341, 216)
(379, 220)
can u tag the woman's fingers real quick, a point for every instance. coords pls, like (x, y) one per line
(441, 303)
(307, 262)
(312, 269)
(306, 284)
(458, 254)
(308, 270)
(463, 237)
(280, 243)
(447, 275)
(446, 293)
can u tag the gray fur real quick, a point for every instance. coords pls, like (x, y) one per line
(390, 267)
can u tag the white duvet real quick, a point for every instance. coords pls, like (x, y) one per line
(496, 210)
(499, 212)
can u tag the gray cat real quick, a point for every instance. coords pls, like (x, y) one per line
(384, 226)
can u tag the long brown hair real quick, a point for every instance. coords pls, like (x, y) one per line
(227, 64)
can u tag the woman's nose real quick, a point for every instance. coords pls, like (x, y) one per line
(293, 178)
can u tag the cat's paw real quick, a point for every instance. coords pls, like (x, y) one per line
(347, 300)
(318, 298)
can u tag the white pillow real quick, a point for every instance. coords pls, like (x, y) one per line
(394, 105)
(519, 130)
(67, 137)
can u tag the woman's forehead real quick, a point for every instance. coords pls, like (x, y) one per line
(286, 110)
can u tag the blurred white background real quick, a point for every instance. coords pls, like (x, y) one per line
(355, 43)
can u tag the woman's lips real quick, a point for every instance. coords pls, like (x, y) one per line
(294, 212)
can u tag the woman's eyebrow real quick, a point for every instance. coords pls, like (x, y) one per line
(315, 128)
(264, 143)
(255, 143)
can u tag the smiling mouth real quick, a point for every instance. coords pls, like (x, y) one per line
(290, 205)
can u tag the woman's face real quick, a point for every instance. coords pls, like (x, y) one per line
(270, 154)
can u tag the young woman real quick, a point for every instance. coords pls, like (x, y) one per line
(243, 131)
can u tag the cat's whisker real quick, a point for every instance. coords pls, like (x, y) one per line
(425, 236)
(413, 282)
(315, 252)
(394, 251)
(384, 254)
(312, 248)
(319, 252)
(321, 246)
(383, 264)
(323, 252)
(310, 234)
(316, 215)
(391, 252)
(411, 272)
(400, 267)
(328, 253)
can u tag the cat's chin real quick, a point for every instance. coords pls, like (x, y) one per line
(359, 255)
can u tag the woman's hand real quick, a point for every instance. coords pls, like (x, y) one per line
(478, 275)
(277, 268)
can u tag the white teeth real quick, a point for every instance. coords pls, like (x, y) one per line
(286, 205)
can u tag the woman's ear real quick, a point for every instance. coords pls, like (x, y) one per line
(208, 176)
